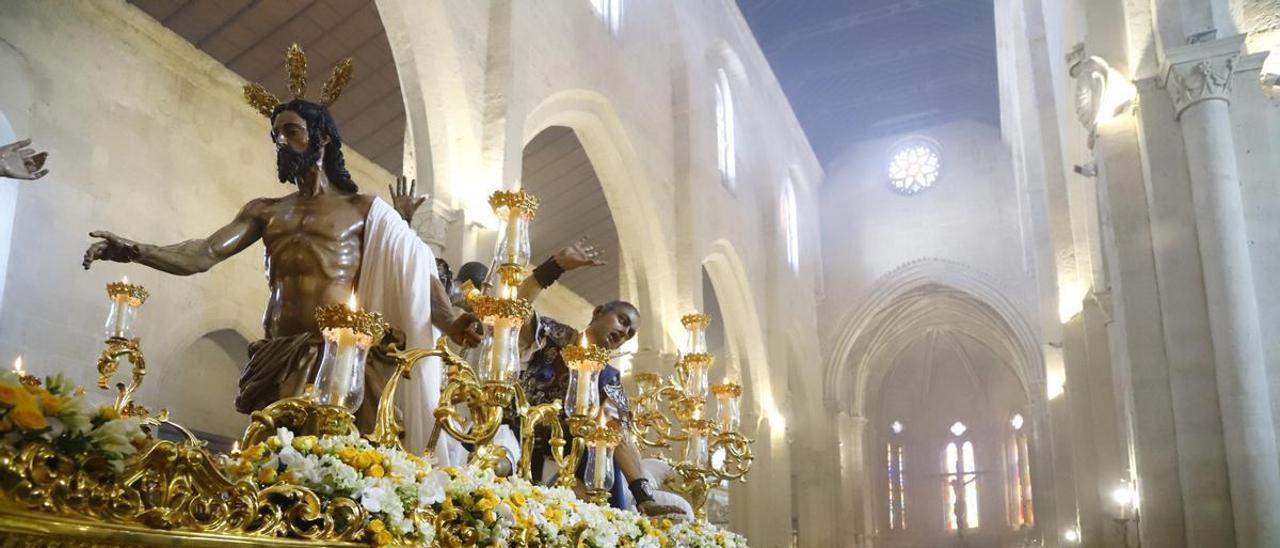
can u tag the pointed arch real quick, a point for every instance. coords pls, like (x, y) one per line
(922, 294)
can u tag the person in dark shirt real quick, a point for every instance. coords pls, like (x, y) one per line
(545, 379)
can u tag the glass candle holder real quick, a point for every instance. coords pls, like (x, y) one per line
(727, 395)
(515, 209)
(647, 381)
(599, 466)
(500, 352)
(125, 300)
(696, 327)
(348, 334)
(696, 360)
(695, 447)
(585, 362)
(696, 381)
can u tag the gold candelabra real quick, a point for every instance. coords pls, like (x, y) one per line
(489, 389)
(126, 299)
(669, 411)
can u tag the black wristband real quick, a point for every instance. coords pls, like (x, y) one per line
(548, 272)
(640, 491)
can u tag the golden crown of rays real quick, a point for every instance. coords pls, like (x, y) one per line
(296, 65)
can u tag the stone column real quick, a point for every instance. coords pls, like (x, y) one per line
(855, 518)
(1199, 80)
(1043, 493)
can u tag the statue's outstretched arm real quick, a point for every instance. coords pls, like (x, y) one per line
(186, 258)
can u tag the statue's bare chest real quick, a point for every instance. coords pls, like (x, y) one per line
(323, 222)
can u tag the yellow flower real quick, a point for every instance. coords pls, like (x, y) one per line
(666, 524)
(108, 412)
(553, 514)
(517, 499)
(376, 471)
(254, 453)
(421, 474)
(348, 455)
(289, 477)
(266, 475)
(382, 539)
(304, 443)
(13, 395)
(374, 456)
(487, 503)
(243, 469)
(274, 443)
(490, 516)
(52, 404)
(28, 417)
(376, 526)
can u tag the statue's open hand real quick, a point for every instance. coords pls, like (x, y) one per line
(17, 161)
(111, 248)
(404, 197)
(466, 330)
(654, 509)
(578, 255)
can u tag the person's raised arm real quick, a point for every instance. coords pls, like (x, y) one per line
(186, 258)
(578, 255)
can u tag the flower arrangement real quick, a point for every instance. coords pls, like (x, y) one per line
(97, 439)
(393, 486)
(409, 502)
(502, 509)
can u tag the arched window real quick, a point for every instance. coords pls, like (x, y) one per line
(790, 225)
(897, 487)
(724, 129)
(610, 12)
(1018, 476)
(960, 483)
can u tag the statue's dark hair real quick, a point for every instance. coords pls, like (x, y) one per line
(320, 123)
(473, 271)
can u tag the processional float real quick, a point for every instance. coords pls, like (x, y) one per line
(301, 473)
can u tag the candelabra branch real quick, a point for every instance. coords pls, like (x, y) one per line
(109, 363)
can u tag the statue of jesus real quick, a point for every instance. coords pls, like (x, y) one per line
(324, 242)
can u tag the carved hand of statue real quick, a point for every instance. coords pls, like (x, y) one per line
(111, 248)
(654, 509)
(466, 330)
(18, 161)
(404, 197)
(578, 255)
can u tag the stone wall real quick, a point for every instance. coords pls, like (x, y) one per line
(149, 138)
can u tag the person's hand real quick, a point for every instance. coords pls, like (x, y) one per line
(655, 510)
(19, 162)
(578, 255)
(404, 197)
(111, 248)
(466, 330)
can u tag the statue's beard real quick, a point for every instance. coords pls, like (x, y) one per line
(291, 166)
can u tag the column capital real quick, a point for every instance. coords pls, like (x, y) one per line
(1200, 72)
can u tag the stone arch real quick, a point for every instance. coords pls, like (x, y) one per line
(649, 258)
(743, 329)
(921, 294)
(201, 381)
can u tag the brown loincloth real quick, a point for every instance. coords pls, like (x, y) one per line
(282, 367)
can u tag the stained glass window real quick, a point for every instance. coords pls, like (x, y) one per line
(914, 167)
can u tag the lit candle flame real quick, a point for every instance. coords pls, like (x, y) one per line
(124, 279)
(582, 339)
(351, 303)
(235, 447)
(17, 366)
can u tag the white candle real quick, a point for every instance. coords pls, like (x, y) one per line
(581, 403)
(513, 235)
(598, 471)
